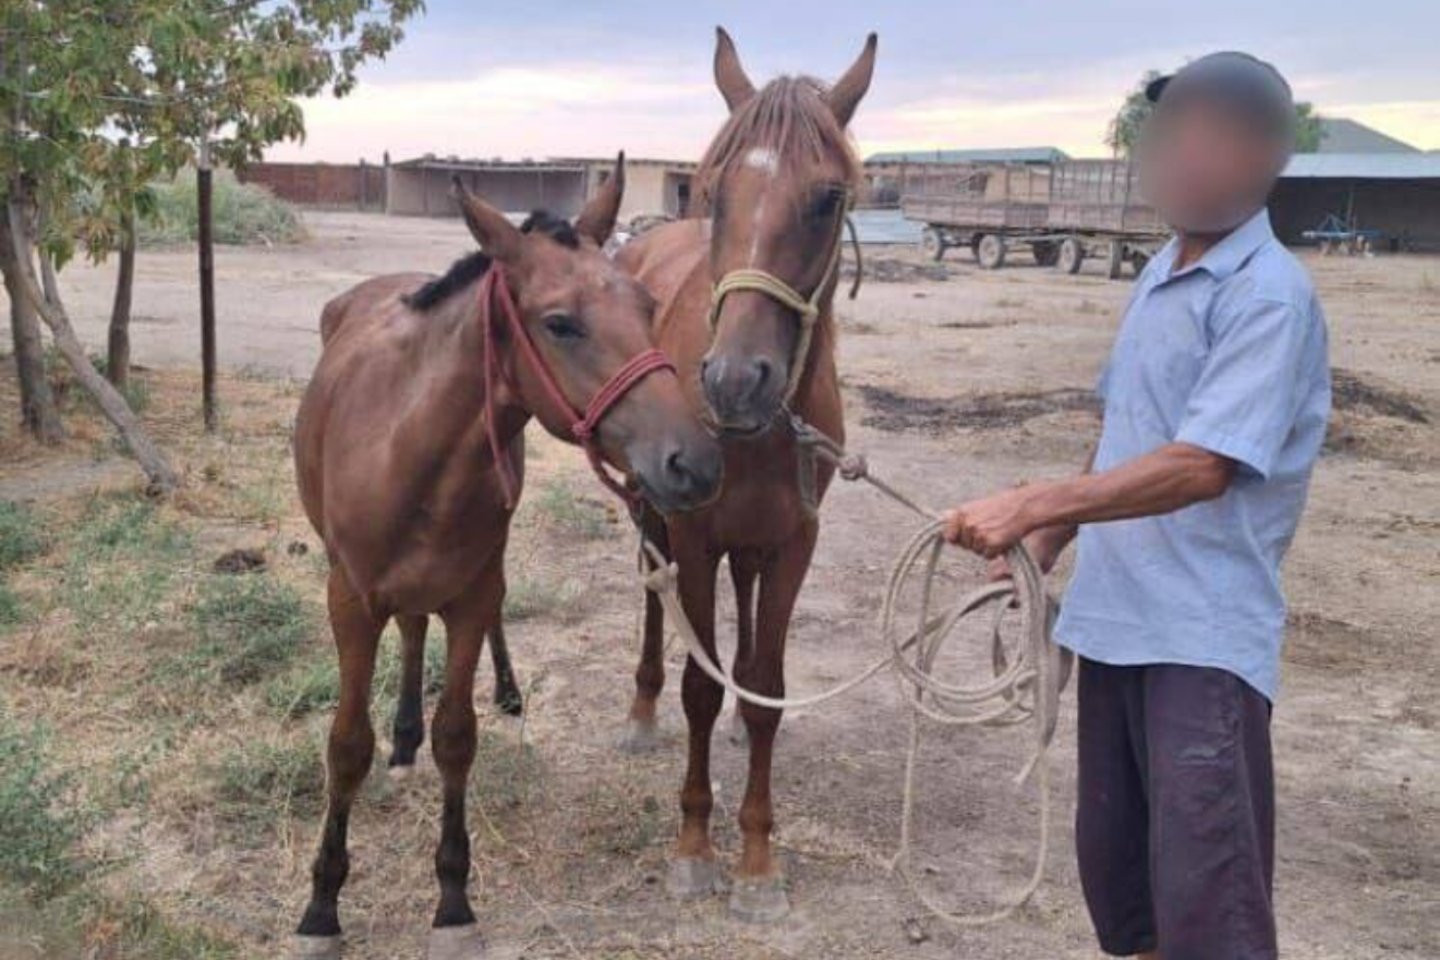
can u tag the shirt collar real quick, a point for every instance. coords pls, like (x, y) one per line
(1230, 254)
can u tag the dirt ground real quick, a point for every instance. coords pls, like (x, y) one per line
(954, 386)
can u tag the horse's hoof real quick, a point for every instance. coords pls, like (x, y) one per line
(304, 947)
(692, 877)
(455, 943)
(401, 771)
(510, 703)
(759, 901)
(639, 737)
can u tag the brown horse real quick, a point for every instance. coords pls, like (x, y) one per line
(408, 458)
(778, 178)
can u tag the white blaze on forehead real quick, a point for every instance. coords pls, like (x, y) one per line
(763, 158)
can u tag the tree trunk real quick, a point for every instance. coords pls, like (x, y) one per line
(117, 358)
(38, 413)
(162, 476)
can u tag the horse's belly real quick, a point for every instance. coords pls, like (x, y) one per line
(428, 579)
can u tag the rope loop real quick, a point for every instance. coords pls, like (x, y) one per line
(1028, 673)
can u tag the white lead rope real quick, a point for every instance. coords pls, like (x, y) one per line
(1026, 686)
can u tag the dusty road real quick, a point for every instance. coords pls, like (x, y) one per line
(953, 387)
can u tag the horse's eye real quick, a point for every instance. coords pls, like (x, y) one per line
(562, 326)
(825, 203)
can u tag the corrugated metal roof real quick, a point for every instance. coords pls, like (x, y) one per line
(1000, 155)
(1343, 135)
(431, 162)
(1363, 166)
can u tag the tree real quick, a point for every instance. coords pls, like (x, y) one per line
(99, 97)
(1123, 133)
(1309, 128)
(1124, 130)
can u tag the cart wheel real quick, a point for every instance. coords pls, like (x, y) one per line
(1072, 254)
(1046, 252)
(1117, 259)
(932, 243)
(991, 252)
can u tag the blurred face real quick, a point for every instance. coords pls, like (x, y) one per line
(1205, 167)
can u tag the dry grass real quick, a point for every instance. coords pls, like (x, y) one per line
(186, 710)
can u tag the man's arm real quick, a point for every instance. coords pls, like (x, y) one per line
(1168, 479)
(1047, 543)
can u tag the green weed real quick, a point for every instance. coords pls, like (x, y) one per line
(242, 213)
(40, 821)
(256, 783)
(20, 537)
(248, 629)
(122, 561)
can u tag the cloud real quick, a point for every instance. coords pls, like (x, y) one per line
(574, 109)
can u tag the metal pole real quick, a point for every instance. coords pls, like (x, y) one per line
(203, 185)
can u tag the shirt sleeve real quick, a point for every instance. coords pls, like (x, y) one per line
(1246, 400)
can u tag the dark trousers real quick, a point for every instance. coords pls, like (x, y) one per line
(1175, 822)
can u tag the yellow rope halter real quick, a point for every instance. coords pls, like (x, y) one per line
(806, 308)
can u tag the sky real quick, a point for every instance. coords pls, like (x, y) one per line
(575, 78)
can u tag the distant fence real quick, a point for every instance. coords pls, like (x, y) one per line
(355, 186)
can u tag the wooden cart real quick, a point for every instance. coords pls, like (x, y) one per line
(1062, 212)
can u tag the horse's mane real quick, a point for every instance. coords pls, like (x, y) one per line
(789, 116)
(473, 266)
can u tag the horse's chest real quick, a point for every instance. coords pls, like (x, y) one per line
(761, 505)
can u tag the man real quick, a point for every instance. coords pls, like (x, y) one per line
(1215, 400)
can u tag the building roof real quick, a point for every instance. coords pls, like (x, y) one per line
(1343, 135)
(1000, 155)
(630, 162)
(568, 164)
(1363, 166)
(432, 162)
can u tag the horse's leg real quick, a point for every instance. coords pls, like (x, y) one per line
(759, 893)
(694, 872)
(507, 692)
(454, 934)
(409, 730)
(641, 727)
(350, 750)
(744, 568)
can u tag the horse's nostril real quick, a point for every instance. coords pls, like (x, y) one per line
(763, 370)
(675, 464)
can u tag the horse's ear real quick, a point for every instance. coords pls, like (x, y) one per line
(597, 220)
(730, 77)
(845, 96)
(496, 235)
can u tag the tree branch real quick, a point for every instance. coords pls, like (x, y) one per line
(162, 476)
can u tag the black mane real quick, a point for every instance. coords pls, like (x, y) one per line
(461, 274)
(472, 267)
(556, 228)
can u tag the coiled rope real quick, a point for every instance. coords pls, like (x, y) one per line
(1025, 688)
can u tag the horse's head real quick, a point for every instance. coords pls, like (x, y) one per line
(778, 178)
(588, 321)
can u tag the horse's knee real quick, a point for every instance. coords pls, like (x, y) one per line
(452, 737)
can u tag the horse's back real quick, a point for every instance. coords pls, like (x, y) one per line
(353, 326)
(369, 298)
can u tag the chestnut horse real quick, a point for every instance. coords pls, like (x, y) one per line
(408, 458)
(745, 312)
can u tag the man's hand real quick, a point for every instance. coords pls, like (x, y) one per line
(1045, 547)
(990, 526)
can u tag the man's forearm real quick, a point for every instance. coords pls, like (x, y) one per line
(1057, 537)
(1171, 478)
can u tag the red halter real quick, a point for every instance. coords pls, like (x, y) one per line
(583, 425)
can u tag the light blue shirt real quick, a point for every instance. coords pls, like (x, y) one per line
(1228, 354)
